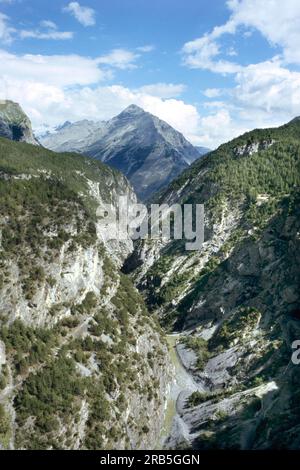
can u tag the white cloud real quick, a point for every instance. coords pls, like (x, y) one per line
(119, 58)
(203, 52)
(48, 31)
(48, 24)
(279, 25)
(67, 87)
(85, 15)
(147, 48)
(53, 89)
(48, 35)
(217, 128)
(212, 92)
(231, 52)
(265, 94)
(216, 104)
(53, 104)
(163, 90)
(6, 31)
(278, 22)
(269, 88)
(58, 70)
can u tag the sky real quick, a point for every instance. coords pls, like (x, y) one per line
(211, 69)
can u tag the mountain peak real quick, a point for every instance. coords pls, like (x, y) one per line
(63, 126)
(14, 123)
(133, 109)
(142, 146)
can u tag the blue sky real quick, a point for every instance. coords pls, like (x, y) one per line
(212, 69)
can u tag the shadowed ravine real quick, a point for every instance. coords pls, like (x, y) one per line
(181, 387)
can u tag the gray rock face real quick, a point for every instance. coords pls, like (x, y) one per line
(147, 150)
(251, 386)
(236, 301)
(63, 281)
(74, 137)
(14, 124)
(254, 147)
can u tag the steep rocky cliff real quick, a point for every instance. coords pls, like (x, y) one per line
(236, 302)
(82, 365)
(14, 124)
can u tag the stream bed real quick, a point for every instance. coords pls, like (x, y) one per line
(181, 387)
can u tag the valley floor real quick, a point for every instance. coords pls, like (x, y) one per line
(181, 387)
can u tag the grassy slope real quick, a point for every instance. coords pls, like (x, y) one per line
(71, 169)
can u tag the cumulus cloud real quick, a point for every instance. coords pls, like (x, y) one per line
(263, 94)
(270, 89)
(53, 89)
(203, 53)
(280, 26)
(279, 23)
(47, 88)
(218, 127)
(119, 58)
(85, 15)
(55, 35)
(59, 70)
(266, 94)
(6, 31)
(51, 105)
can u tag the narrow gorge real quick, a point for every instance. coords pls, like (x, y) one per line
(110, 344)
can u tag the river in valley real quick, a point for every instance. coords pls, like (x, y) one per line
(181, 387)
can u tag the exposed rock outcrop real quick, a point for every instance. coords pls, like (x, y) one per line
(233, 301)
(82, 365)
(14, 124)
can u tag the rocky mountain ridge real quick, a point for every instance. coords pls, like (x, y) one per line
(144, 148)
(235, 301)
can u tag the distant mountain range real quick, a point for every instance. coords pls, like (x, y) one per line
(144, 148)
(203, 150)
